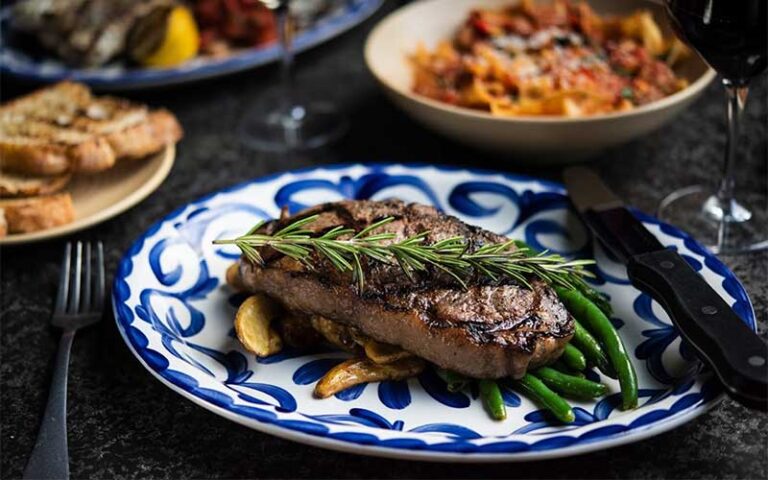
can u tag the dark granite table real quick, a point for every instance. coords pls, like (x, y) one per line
(124, 423)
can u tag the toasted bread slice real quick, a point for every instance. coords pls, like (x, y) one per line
(37, 213)
(17, 185)
(159, 129)
(65, 128)
(37, 148)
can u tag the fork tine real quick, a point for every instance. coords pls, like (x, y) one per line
(99, 294)
(61, 296)
(85, 300)
(74, 296)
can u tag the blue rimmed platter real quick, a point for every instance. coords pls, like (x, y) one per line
(16, 61)
(175, 312)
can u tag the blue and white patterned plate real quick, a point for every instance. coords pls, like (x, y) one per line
(16, 61)
(175, 312)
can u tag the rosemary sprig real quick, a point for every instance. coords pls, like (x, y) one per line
(412, 254)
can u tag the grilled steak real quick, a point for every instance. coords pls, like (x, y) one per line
(492, 329)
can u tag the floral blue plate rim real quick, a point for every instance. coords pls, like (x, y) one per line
(17, 63)
(692, 395)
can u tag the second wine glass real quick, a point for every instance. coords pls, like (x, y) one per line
(285, 121)
(731, 37)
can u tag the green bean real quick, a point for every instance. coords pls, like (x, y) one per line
(570, 385)
(599, 299)
(492, 399)
(563, 368)
(582, 339)
(590, 347)
(541, 394)
(455, 382)
(600, 326)
(573, 357)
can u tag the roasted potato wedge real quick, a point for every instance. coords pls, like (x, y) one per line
(252, 325)
(233, 277)
(384, 353)
(335, 333)
(349, 338)
(363, 370)
(275, 343)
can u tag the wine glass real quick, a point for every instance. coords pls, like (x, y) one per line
(730, 35)
(285, 122)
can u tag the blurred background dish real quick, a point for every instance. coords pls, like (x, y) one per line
(532, 138)
(284, 122)
(96, 198)
(152, 43)
(70, 159)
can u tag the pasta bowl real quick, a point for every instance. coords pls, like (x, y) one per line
(529, 139)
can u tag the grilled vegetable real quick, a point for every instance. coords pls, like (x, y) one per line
(492, 399)
(233, 278)
(541, 394)
(600, 326)
(570, 385)
(383, 353)
(362, 370)
(252, 325)
(335, 333)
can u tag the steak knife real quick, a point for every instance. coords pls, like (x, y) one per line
(720, 338)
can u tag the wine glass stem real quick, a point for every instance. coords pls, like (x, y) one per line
(736, 97)
(722, 206)
(286, 44)
(291, 113)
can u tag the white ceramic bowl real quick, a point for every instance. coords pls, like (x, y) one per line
(528, 138)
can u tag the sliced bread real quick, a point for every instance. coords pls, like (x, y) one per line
(27, 215)
(63, 128)
(18, 185)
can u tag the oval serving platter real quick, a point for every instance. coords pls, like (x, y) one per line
(175, 312)
(17, 62)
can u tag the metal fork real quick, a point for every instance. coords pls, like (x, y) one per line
(79, 303)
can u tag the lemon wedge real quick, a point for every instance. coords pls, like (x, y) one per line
(179, 43)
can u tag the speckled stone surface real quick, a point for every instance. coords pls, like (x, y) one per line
(125, 424)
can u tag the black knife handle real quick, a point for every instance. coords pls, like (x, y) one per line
(737, 355)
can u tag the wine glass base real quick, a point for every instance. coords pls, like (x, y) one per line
(277, 126)
(696, 210)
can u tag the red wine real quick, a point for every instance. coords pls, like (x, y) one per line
(731, 35)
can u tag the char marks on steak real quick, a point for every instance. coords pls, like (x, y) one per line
(491, 329)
